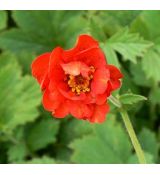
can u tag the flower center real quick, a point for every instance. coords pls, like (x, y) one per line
(79, 83)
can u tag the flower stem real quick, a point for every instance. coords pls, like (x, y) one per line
(133, 137)
(130, 130)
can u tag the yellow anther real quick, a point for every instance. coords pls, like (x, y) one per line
(71, 77)
(79, 83)
(87, 89)
(73, 89)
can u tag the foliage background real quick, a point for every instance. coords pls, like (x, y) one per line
(28, 134)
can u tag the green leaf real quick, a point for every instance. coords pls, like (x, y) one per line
(154, 95)
(20, 94)
(124, 17)
(37, 30)
(147, 24)
(129, 99)
(134, 160)
(110, 24)
(129, 45)
(110, 55)
(23, 42)
(3, 19)
(17, 149)
(108, 144)
(96, 28)
(151, 64)
(149, 142)
(63, 154)
(25, 60)
(113, 21)
(138, 75)
(17, 153)
(42, 160)
(78, 128)
(128, 83)
(42, 133)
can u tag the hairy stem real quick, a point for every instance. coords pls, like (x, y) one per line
(130, 130)
(133, 137)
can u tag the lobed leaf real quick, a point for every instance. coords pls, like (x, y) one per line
(108, 144)
(151, 65)
(129, 45)
(20, 94)
(42, 133)
(41, 31)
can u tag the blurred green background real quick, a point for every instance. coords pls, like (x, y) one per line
(28, 134)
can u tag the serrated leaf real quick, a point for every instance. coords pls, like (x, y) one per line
(108, 144)
(113, 21)
(78, 128)
(3, 19)
(110, 55)
(21, 95)
(41, 160)
(17, 149)
(129, 45)
(37, 30)
(149, 142)
(42, 133)
(17, 153)
(129, 99)
(151, 64)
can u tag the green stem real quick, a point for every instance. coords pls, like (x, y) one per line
(130, 130)
(133, 137)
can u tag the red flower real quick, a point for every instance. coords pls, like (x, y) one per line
(77, 81)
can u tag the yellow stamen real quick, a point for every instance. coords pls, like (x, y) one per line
(80, 84)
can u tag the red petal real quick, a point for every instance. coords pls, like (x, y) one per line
(102, 98)
(40, 69)
(115, 84)
(93, 57)
(84, 43)
(99, 114)
(55, 60)
(51, 100)
(61, 111)
(90, 98)
(66, 92)
(75, 68)
(56, 73)
(114, 72)
(100, 80)
(80, 110)
(115, 75)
